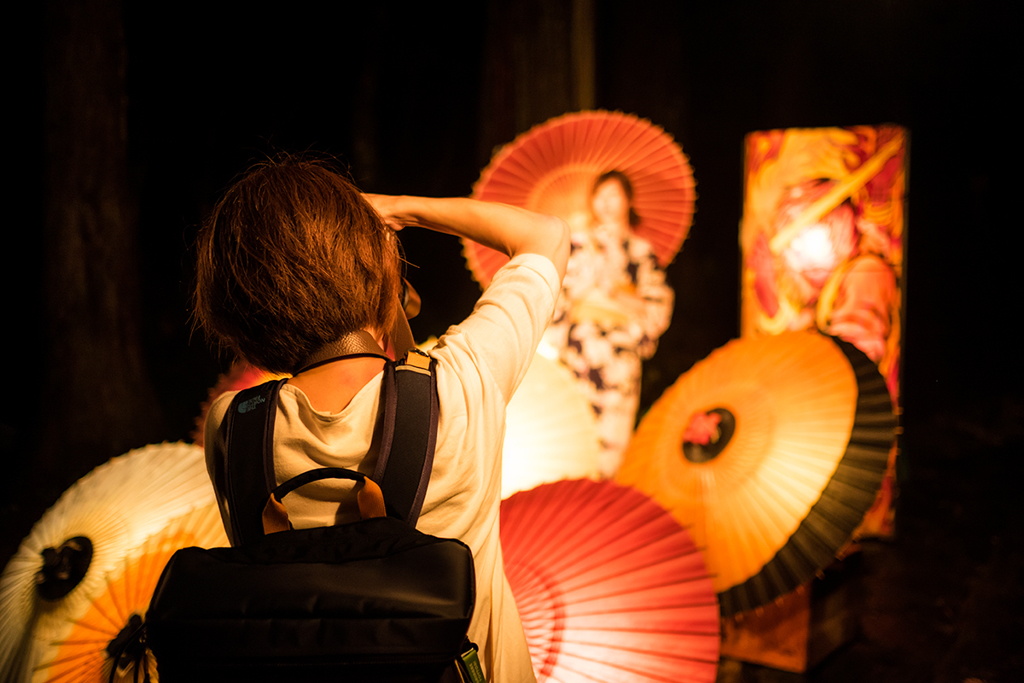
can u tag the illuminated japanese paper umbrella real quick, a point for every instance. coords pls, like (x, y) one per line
(83, 650)
(550, 430)
(770, 450)
(62, 564)
(609, 586)
(552, 168)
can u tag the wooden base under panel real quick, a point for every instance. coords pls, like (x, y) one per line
(800, 629)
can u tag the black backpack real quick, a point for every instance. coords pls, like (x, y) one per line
(374, 600)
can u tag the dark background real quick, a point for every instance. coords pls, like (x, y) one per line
(414, 100)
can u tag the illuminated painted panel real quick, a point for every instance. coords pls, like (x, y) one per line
(822, 236)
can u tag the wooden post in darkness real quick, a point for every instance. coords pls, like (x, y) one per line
(98, 400)
(538, 63)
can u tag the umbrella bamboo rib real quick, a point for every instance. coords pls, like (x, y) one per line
(834, 516)
(552, 168)
(605, 582)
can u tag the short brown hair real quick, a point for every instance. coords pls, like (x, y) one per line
(291, 258)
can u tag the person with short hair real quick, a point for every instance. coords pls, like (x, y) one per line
(292, 258)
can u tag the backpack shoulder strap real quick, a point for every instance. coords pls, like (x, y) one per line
(411, 412)
(249, 459)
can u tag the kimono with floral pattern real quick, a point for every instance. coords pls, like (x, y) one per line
(606, 358)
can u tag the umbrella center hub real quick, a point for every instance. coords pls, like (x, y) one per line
(63, 568)
(707, 434)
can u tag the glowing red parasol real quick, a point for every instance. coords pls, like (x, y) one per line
(608, 585)
(552, 168)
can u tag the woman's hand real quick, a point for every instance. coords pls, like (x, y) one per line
(390, 209)
(508, 229)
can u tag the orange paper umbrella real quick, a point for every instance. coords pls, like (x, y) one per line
(771, 450)
(83, 651)
(61, 566)
(552, 168)
(609, 586)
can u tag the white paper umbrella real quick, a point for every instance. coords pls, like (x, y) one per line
(81, 653)
(609, 586)
(550, 430)
(114, 508)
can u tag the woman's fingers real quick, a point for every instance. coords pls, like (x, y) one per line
(388, 207)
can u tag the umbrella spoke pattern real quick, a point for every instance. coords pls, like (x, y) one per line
(771, 450)
(608, 585)
(115, 507)
(84, 651)
(552, 168)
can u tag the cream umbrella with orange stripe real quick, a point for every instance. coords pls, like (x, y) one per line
(550, 431)
(84, 649)
(62, 564)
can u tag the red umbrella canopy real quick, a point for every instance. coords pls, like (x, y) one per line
(609, 586)
(552, 168)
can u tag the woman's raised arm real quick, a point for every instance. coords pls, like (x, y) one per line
(508, 229)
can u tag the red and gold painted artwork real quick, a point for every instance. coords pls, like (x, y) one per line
(822, 237)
